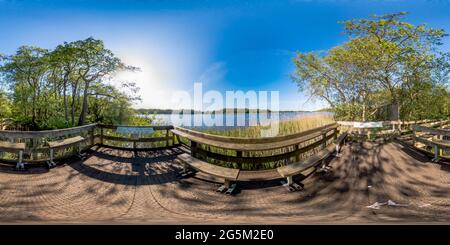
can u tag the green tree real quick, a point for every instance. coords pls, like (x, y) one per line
(5, 106)
(96, 63)
(51, 88)
(384, 60)
(26, 71)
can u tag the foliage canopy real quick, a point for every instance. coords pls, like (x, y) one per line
(388, 69)
(67, 86)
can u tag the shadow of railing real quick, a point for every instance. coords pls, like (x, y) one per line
(143, 171)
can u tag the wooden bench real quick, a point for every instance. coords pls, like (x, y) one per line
(251, 144)
(436, 144)
(296, 168)
(228, 174)
(58, 144)
(16, 148)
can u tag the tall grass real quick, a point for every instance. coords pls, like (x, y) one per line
(285, 127)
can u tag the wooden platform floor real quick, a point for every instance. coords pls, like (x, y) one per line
(112, 187)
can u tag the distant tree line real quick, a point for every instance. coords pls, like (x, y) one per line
(67, 86)
(143, 111)
(387, 70)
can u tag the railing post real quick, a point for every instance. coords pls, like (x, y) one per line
(297, 156)
(173, 139)
(101, 135)
(134, 137)
(436, 154)
(193, 148)
(324, 139)
(167, 137)
(92, 136)
(239, 154)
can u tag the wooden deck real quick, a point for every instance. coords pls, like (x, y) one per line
(112, 186)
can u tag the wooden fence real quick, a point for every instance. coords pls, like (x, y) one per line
(37, 149)
(433, 140)
(161, 138)
(234, 152)
(256, 153)
(384, 128)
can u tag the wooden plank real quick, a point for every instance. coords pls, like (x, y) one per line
(261, 140)
(46, 133)
(9, 146)
(256, 145)
(442, 144)
(126, 139)
(261, 159)
(435, 131)
(140, 149)
(298, 167)
(258, 175)
(218, 171)
(162, 127)
(65, 142)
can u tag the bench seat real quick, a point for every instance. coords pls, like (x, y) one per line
(65, 142)
(443, 144)
(53, 145)
(311, 163)
(298, 167)
(14, 147)
(202, 166)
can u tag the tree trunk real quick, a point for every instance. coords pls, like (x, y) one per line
(84, 108)
(395, 111)
(33, 110)
(74, 100)
(364, 112)
(66, 104)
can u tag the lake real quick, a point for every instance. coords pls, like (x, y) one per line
(232, 120)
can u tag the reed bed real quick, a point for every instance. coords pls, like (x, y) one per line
(285, 127)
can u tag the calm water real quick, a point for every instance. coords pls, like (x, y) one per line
(227, 120)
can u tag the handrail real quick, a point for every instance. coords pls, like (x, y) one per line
(44, 133)
(256, 151)
(163, 127)
(435, 131)
(257, 144)
(37, 149)
(391, 123)
(262, 140)
(437, 141)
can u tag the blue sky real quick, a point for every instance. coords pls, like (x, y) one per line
(226, 45)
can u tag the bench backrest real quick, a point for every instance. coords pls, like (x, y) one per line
(253, 144)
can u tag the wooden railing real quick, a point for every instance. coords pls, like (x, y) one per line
(37, 148)
(256, 153)
(161, 138)
(387, 127)
(434, 140)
